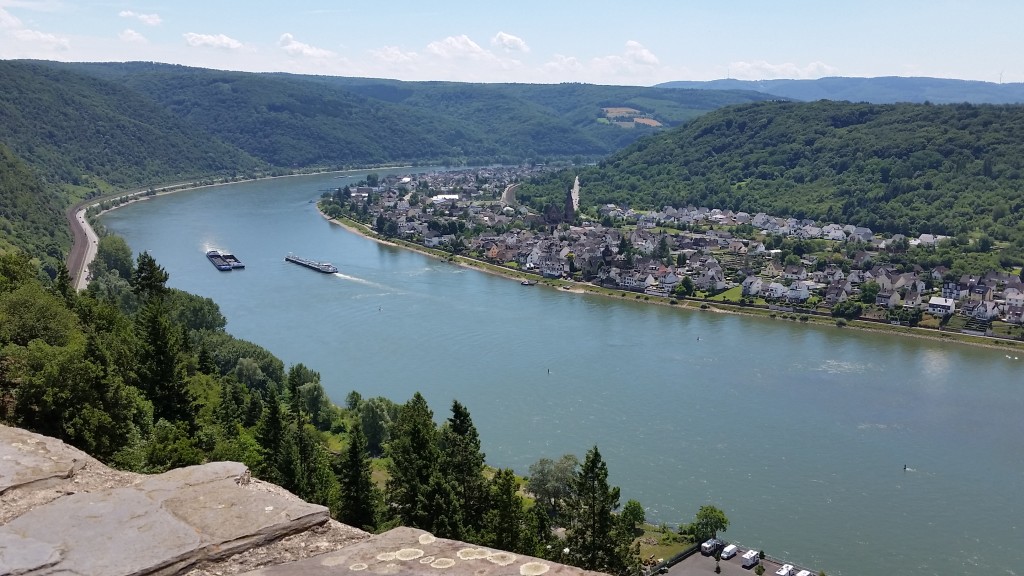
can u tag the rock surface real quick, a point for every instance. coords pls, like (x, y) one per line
(66, 513)
(407, 551)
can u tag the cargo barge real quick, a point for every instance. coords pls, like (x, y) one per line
(218, 261)
(325, 267)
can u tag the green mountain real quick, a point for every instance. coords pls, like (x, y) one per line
(91, 133)
(907, 168)
(294, 121)
(881, 90)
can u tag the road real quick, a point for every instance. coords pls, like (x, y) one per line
(83, 247)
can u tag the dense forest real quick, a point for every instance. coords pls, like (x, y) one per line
(902, 168)
(31, 214)
(880, 90)
(296, 121)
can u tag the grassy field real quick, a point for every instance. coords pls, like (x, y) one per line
(661, 545)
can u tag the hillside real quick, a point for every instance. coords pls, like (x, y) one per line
(31, 217)
(294, 120)
(881, 90)
(91, 133)
(905, 168)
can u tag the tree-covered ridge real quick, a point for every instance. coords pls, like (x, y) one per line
(31, 215)
(77, 129)
(880, 90)
(902, 168)
(295, 120)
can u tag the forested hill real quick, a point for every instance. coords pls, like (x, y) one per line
(881, 90)
(907, 168)
(31, 215)
(79, 130)
(293, 120)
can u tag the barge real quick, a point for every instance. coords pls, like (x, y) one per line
(325, 267)
(218, 261)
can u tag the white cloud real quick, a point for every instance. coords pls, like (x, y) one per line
(147, 19)
(509, 43)
(637, 54)
(293, 47)
(561, 64)
(458, 47)
(129, 35)
(212, 40)
(35, 38)
(394, 55)
(761, 70)
(8, 20)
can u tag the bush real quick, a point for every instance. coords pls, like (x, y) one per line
(704, 306)
(840, 322)
(673, 301)
(759, 570)
(804, 318)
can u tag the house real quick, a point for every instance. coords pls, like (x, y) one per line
(940, 306)
(752, 286)
(776, 290)
(798, 292)
(838, 291)
(888, 299)
(951, 290)
(794, 272)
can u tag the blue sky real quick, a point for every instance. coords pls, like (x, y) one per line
(633, 42)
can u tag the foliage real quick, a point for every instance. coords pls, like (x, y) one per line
(550, 482)
(594, 538)
(901, 168)
(848, 309)
(709, 522)
(359, 496)
(413, 455)
(31, 218)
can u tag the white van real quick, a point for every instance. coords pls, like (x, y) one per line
(729, 551)
(785, 570)
(750, 559)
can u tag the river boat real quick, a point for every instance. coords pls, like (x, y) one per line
(218, 261)
(325, 267)
(529, 282)
(232, 260)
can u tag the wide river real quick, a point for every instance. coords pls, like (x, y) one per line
(800, 433)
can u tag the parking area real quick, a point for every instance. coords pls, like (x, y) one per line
(702, 565)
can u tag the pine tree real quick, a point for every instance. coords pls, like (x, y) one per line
(462, 466)
(149, 278)
(591, 532)
(413, 460)
(270, 434)
(359, 496)
(159, 377)
(445, 506)
(505, 521)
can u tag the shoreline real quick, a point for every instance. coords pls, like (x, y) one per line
(82, 253)
(684, 304)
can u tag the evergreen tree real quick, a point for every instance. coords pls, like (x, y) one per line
(149, 278)
(270, 434)
(591, 531)
(159, 377)
(462, 466)
(413, 457)
(505, 520)
(359, 496)
(445, 506)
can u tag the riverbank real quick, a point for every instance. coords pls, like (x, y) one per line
(85, 238)
(691, 304)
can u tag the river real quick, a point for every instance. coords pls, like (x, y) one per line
(799, 433)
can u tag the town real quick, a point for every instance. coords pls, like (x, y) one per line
(785, 264)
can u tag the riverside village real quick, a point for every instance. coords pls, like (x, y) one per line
(788, 265)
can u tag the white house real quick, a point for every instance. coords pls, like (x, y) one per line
(941, 306)
(752, 286)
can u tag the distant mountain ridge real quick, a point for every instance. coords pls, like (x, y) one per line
(878, 90)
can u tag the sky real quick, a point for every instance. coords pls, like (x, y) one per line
(632, 42)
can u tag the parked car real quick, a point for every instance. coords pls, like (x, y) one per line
(711, 546)
(729, 551)
(750, 558)
(785, 570)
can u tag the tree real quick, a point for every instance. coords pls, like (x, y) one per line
(709, 522)
(685, 287)
(159, 377)
(359, 495)
(550, 481)
(632, 515)
(113, 254)
(149, 279)
(505, 520)
(413, 456)
(592, 538)
(868, 291)
(376, 416)
(462, 465)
